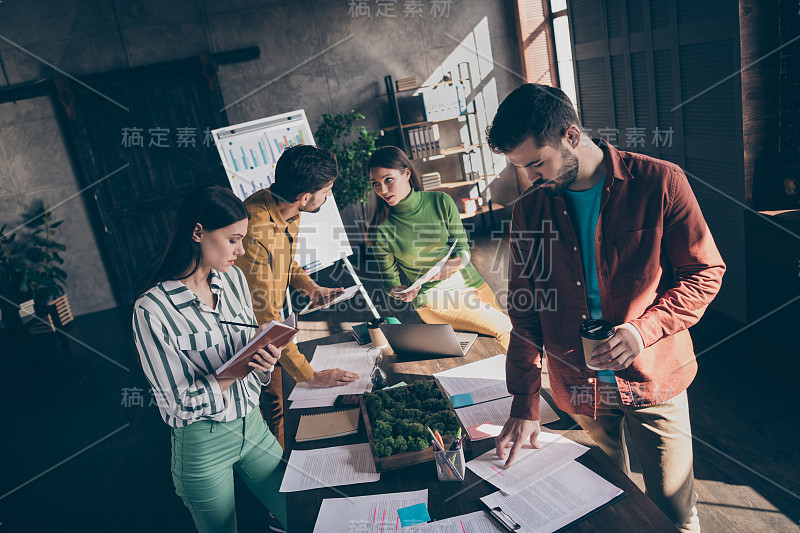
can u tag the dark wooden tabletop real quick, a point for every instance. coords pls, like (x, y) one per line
(634, 513)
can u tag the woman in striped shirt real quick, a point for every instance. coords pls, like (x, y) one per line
(181, 339)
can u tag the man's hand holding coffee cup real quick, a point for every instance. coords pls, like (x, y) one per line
(618, 352)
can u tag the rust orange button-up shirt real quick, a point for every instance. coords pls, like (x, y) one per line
(657, 267)
(269, 266)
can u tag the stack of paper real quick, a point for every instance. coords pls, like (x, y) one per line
(556, 501)
(329, 467)
(530, 464)
(377, 512)
(479, 393)
(347, 356)
(484, 420)
(476, 382)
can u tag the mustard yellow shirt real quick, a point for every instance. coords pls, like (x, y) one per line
(269, 265)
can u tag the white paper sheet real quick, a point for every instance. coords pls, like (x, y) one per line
(347, 356)
(530, 465)
(486, 419)
(490, 368)
(557, 500)
(346, 294)
(483, 380)
(435, 269)
(483, 390)
(477, 522)
(367, 514)
(329, 467)
(317, 402)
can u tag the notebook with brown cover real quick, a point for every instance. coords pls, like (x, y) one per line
(328, 425)
(277, 333)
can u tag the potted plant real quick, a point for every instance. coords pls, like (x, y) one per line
(352, 146)
(15, 297)
(45, 278)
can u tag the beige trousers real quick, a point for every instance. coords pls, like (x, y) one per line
(661, 437)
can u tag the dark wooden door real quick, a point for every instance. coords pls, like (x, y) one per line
(139, 147)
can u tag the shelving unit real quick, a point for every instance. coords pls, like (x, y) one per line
(469, 147)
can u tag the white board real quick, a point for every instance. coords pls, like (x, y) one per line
(249, 153)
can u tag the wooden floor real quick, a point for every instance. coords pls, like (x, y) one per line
(79, 455)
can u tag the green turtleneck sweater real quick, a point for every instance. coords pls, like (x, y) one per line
(417, 233)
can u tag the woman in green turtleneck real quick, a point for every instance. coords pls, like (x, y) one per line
(410, 231)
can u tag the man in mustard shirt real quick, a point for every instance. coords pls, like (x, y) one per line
(304, 177)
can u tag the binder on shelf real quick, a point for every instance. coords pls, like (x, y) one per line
(428, 142)
(412, 144)
(437, 149)
(418, 142)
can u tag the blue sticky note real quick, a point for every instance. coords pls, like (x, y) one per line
(462, 400)
(414, 514)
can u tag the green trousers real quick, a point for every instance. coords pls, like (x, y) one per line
(204, 456)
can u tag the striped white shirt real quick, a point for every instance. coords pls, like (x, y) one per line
(181, 342)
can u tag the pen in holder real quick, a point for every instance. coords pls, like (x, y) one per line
(450, 465)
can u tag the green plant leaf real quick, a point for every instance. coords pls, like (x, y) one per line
(352, 150)
(35, 254)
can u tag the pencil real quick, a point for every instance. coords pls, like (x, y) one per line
(239, 324)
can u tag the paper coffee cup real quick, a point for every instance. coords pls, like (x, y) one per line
(593, 333)
(377, 337)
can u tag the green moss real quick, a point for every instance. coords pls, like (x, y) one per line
(381, 430)
(400, 445)
(399, 417)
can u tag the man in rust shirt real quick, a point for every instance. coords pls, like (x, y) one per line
(602, 233)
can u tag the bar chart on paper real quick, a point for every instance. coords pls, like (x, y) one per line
(249, 161)
(249, 153)
(285, 137)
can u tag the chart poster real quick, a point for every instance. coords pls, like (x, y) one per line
(249, 152)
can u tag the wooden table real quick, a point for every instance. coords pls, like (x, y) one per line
(634, 513)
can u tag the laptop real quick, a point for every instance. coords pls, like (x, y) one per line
(430, 340)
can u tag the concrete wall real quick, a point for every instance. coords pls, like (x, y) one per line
(35, 167)
(316, 55)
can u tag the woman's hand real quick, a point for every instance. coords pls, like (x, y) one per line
(406, 297)
(450, 267)
(264, 360)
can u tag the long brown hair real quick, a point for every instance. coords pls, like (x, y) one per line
(212, 206)
(393, 158)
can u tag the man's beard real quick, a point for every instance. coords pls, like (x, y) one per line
(566, 176)
(316, 210)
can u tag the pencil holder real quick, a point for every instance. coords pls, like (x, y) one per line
(450, 465)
